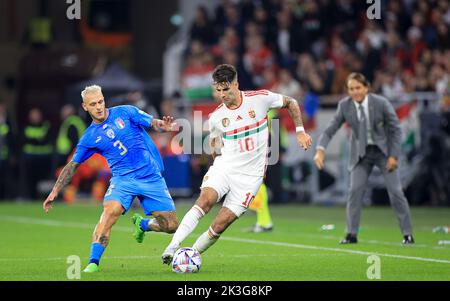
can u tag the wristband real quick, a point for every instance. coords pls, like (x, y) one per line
(299, 129)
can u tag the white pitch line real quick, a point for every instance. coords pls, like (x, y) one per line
(371, 241)
(301, 246)
(54, 223)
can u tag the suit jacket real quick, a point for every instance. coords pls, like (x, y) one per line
(385, 125)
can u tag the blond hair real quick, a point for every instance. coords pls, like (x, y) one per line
(90, 89)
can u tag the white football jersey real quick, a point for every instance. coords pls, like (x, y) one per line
(244, 132)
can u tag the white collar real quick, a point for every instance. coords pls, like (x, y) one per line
(364, 103)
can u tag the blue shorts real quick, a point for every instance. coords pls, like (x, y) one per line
(151, 191)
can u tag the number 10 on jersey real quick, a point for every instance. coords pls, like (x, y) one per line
(246, 145)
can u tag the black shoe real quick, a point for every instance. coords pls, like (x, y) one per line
(408, 240)
(349, 239)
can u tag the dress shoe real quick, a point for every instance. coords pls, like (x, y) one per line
(408, 240)
(349, 239)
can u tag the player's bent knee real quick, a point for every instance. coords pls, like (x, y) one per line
(205, 203)
(208, 197)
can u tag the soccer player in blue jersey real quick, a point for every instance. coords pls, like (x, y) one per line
(119, 134)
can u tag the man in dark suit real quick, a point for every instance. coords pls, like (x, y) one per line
(375, 140)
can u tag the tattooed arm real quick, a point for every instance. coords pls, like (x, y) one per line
(294, 110)
(303, 139)
(64, 178)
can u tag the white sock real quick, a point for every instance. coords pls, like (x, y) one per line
(206, 240)
(187, 225)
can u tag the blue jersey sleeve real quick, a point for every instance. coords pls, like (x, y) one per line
(82, 153)
(140, 117)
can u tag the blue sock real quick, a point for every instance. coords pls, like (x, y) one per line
(96, 252)
(144, 225)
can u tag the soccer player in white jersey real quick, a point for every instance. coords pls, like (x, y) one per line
(239, 137)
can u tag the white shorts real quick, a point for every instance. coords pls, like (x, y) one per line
(240, 189)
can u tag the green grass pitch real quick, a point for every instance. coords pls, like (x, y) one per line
(36, 246)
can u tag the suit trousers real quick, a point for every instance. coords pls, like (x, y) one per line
(359, 176)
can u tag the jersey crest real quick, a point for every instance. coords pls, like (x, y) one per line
(119, 123)
(225, 122)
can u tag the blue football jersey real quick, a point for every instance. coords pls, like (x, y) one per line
(122, 139)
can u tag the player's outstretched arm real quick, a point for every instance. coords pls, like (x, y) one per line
(64, 178)
(303, 139)
(166, 124)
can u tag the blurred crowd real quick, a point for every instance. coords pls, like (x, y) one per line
(306, 46)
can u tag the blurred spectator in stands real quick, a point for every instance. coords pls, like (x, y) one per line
(337, 50)
(202, 28)
(421, 81)
(346, 15)
(308, 74)
(442, 40)
(394, 48)
(391, 86)
(325, 70)
(37, 149)
(269, 79)
(439, 79)
(288, 85)
(414, 48)
(398, 9)
(228, 42)
(370, 44)
(311, 22)
(257, 57)
(197, 55)
(251, 29)
(288, 40)
(444, 6)
(71, 129)
(409, 81)
(229, 16)
(374, 34)
(7, 156)
(245, 79)
(267, 25)
(137, 98)
(220, 16)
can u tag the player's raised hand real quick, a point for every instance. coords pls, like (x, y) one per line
(304, 140)
(166, 124)
(48, 202)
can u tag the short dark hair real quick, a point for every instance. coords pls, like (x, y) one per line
(224, 73)
(359, 77)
